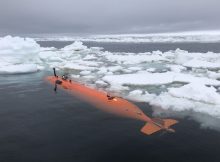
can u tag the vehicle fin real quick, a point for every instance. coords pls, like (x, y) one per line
(150, 128)
(169, 122)
(159, 124)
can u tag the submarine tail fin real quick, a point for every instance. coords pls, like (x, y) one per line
(160, 124)
(150, 128)
(169, 122)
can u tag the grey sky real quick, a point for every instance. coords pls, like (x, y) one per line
(107, 16)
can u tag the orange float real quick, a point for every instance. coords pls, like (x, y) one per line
(114, 105)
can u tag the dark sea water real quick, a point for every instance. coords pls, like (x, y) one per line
(142, 47)
(37, 125)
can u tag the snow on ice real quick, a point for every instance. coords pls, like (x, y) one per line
(17, 55)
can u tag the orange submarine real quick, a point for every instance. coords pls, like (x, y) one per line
(114, 105)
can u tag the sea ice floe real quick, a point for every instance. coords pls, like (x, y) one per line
(202, 64)
(202, 36)
(89, 57)
(76, 46)
(151, 70)
(168, 102)
(135, 59)
(213, 75)
(101, 83)
(146, 78)
(114, 68)
(183, 99)
(193, 36)
(197, 92)
(135, 68)
(207, 60)
(18, 46)
(17, 55)
(174, 80)
(176, 68)
(85, 72)
(140, 96)
(73, 66)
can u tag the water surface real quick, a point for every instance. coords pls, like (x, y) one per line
(38, 125)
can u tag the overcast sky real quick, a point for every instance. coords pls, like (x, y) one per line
(107, 16)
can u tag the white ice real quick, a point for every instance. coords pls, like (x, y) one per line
(17, 55)
(146, 78)
(193, 36)
(197, 92)
(174, 80)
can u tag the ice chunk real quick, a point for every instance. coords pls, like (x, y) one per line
(213, 75)
(101, 83)
(114, 68)
(140, 96)
(134, 58)
(202, 64)
(151, 70)
(73, 66)
(197, 92)
(135, 68)
(76, 46)
(18, 46)
(85, 72)
(49, 56)
(146, 78)
(18, 55)
(197, 60)
(75, 76)
(102, 70)
(169, 102)
(89, 57)
(87, 63)
(177, 68)
(138, 79)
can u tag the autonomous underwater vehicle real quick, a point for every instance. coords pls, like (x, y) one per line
(111, 104)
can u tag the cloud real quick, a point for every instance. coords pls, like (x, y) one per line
(115, 16)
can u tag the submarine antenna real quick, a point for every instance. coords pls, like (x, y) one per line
(54, 72)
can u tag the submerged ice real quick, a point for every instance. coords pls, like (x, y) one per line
(176, 80)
